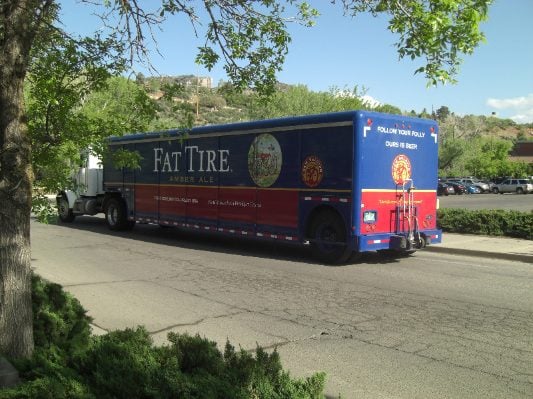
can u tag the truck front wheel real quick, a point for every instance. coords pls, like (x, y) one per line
(328, 235)
(115, 215)
(64, 211)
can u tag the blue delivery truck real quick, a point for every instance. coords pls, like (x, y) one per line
(343, 183)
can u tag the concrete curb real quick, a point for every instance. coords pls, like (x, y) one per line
(480, 253)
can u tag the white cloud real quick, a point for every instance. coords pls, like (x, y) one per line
(521, 106)
(370, 101)
(523, 118)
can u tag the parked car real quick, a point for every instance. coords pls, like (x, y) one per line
(500, 179)
(445, 189)
(519, 186)
(459, 188)
(490, 184)
(472, 189)
(484, 187)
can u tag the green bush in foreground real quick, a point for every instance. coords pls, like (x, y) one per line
(486, 222)
(70, 363)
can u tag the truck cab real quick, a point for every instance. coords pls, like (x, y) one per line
(86, 198)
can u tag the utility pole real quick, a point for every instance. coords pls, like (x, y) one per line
(197, 95)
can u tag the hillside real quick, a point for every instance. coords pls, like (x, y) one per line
(191, 101)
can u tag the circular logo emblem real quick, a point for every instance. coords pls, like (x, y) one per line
(401, 169)
(264, 160)
(312, 171)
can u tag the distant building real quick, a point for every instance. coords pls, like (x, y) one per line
(205, 81)
(192, 81)
(522, 151)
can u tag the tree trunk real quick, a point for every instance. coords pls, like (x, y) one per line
(19, 20)
(16, 323)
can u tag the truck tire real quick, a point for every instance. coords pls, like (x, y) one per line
(328, 234)
(115, 215)
(64, 211)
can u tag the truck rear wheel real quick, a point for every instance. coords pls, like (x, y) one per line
(115, 215)
(64, 211)
(328, 235)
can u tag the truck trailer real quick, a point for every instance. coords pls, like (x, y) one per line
(343, 183)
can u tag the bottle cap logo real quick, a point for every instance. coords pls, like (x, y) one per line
(401, 169)
(312, 171)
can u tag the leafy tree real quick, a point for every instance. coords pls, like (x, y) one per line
(469, 146)
(61, 77)
(450, 153)
(479, 156)
(487, 157)
(424, 114)
(390, 109)
(299, 100)
(442, 113)
(120, 107)
(140, 78)
(249, 37)
(212, 101)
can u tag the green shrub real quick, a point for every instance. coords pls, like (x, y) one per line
(68, 363)
(61, 332)
(49, 387)
(58, 318)
(487, 222)
(121, 364)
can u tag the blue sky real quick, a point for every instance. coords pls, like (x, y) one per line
(346, 52)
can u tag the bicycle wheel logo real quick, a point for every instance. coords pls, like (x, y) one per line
(264, 160)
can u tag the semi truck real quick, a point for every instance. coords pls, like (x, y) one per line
(343, 183)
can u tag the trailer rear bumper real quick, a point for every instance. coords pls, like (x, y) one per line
(399, 242)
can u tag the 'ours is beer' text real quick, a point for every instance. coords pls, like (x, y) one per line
(197, 160)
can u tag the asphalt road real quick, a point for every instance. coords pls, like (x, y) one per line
(517, 202)
(429, 326)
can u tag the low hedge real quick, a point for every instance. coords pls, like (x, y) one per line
(486, 222)
(70, 363)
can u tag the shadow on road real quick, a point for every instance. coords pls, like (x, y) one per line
(212, 242)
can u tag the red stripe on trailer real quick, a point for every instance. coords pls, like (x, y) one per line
(248, 205)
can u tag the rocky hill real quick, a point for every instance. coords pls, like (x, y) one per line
(187, 100)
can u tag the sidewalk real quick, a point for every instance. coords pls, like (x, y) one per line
(485, 246)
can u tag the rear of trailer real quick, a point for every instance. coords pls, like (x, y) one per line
(395, 174)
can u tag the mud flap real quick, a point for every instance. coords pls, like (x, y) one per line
(402, 243)
(398, 242)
